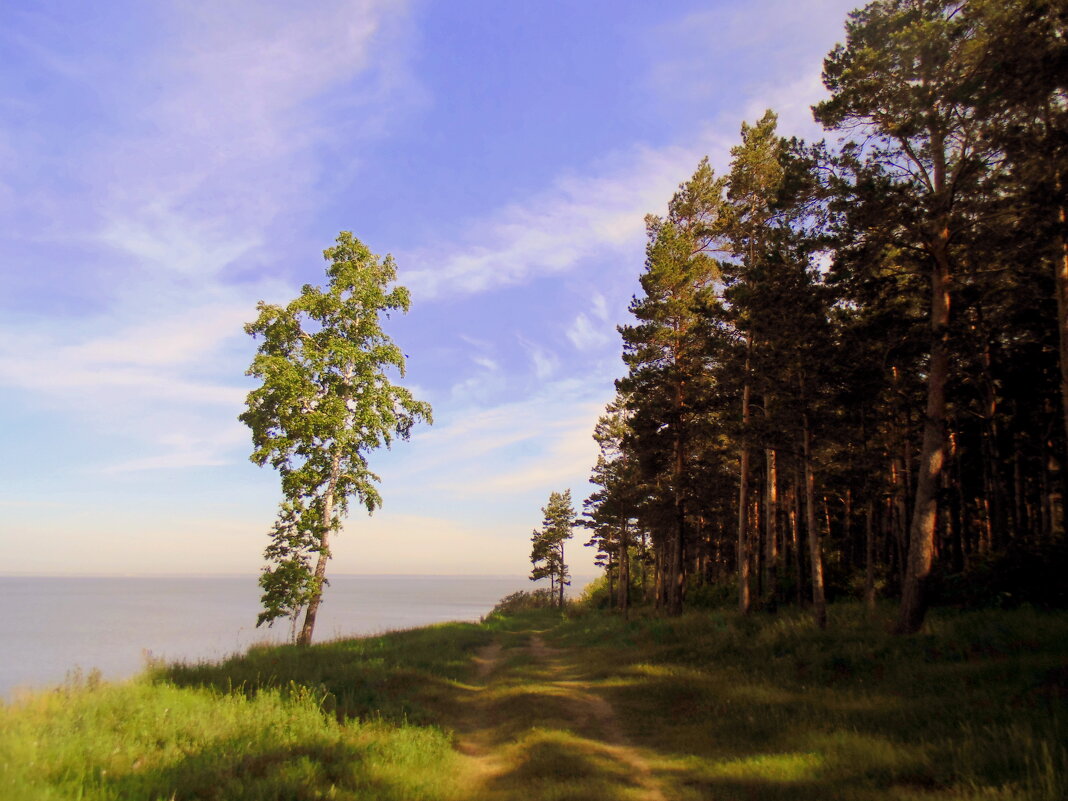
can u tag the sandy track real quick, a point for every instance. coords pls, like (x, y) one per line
(476, 732)
(590, 708)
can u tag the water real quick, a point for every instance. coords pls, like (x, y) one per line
(51, 626)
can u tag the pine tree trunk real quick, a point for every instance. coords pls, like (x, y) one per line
(900, 517)
(743, 500)
(819, 602)
(1019, 522)
(847, 526)
(869, 557)
(958, 512)
(611, 583)
(658, 575)
(925, 510)
(1060, 275)
(624, 571)
(563, 568)
(795, 536)
(305, 636)
(756, 534)
(676, 572)
(771, 524)
(643, 553)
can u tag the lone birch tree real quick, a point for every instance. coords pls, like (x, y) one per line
(325, 401)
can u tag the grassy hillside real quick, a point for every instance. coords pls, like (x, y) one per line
(539, 706)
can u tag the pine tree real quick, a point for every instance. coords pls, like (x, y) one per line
(664, 352)
(904, 76)
(547, 553)
(609, 512)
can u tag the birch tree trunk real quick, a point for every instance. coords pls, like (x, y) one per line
(324, 554)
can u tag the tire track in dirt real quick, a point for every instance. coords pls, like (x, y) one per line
(469, 741)
(588, 707)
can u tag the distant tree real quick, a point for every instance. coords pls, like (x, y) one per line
(325, 400)
(609, 511)
(547, 553)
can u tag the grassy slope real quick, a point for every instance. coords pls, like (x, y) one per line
(705, 706)
(771, 708)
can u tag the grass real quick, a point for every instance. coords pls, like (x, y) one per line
(708, 705)
(401, 677)
(342, 720)
(773, 708)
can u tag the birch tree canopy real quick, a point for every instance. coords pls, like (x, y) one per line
(325, 401)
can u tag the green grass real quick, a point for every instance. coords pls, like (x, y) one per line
(708, 705)
(773, 708)
(404, 676)
(342, 720)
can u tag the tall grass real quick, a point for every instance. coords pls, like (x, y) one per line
(715, 705)
(400, 677)
(771, 707)
(343, 720)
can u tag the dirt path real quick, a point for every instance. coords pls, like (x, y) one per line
(589, 707)
(472, 738)
(551, 693)
(487, 660)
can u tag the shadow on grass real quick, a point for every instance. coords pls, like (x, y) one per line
(232, 769)
(410, 676)
(546, 764)
(721, 707)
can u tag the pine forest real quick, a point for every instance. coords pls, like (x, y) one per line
(847, 370)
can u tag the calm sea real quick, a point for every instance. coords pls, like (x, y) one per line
(51, 626)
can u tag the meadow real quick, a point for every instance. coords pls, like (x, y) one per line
(582, 705)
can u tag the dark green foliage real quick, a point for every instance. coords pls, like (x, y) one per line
(547, 553)
(523, 601)
(1008, 579)
(848, 372)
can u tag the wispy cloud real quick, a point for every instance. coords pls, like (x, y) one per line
(545, 362)
(516, 447)
(588, 335)
(577, 217)
(600, 213)
(223, 125)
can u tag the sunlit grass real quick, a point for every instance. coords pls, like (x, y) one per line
(151, 740)
(709, 705)
(770, 707)
(347, 720)
(554, 765)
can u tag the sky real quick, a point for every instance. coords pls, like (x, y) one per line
(166, 165)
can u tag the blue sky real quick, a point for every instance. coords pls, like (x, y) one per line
(164, 166)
